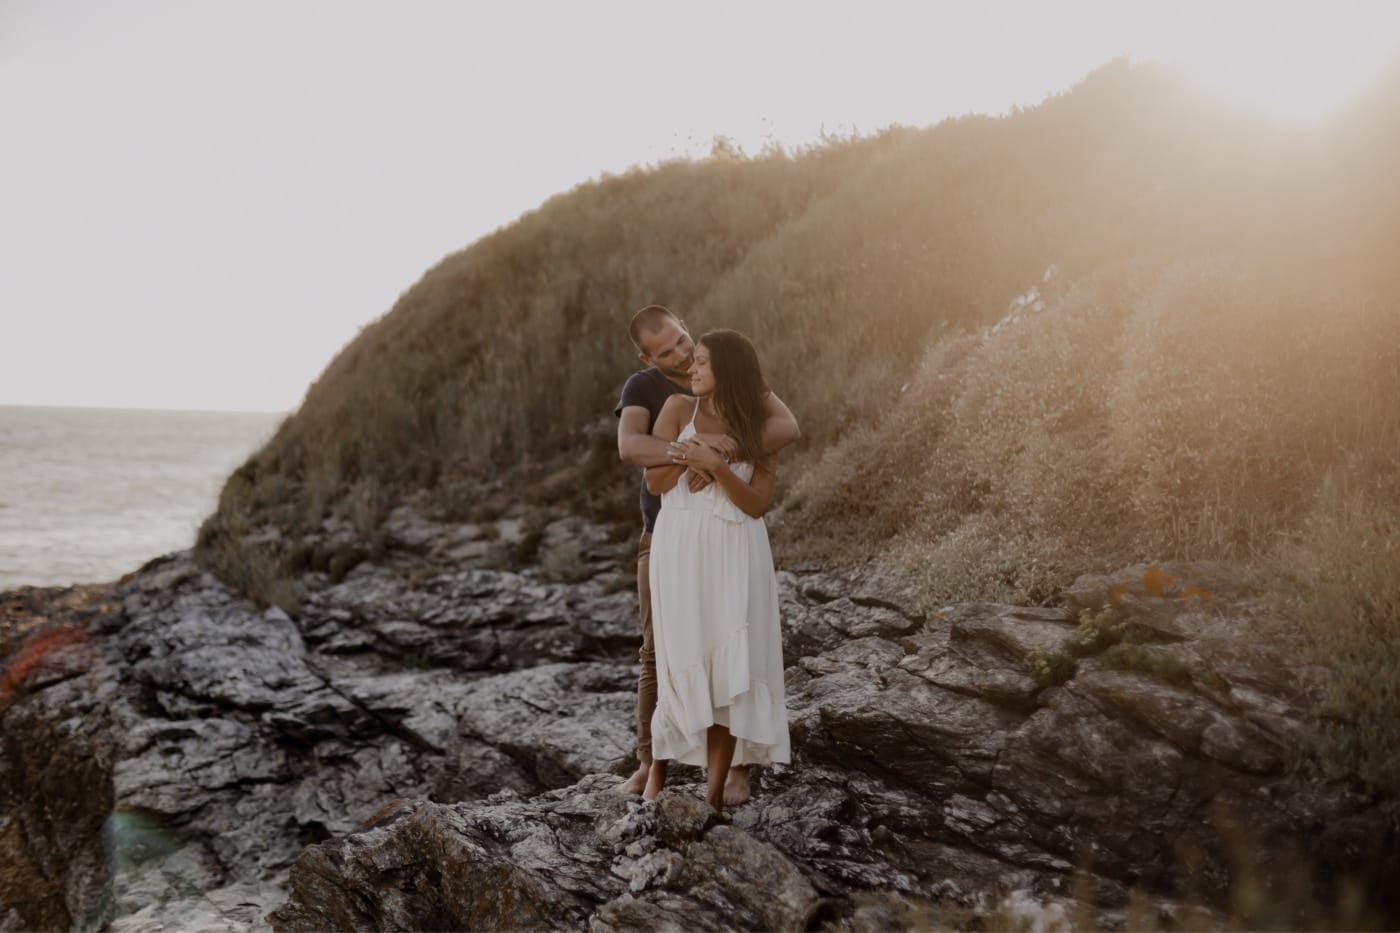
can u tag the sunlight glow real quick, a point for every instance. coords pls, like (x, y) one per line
(1295, 62)
(372, 139)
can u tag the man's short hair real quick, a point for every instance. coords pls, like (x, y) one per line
(649, 319)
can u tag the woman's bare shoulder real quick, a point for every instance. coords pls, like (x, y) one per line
(679, 400)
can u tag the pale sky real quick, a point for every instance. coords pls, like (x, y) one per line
(201, 202)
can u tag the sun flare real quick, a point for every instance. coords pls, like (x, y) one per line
(1299, 63)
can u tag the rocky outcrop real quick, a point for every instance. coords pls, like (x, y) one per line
(433, 743)
(563, 860)
(169, 749)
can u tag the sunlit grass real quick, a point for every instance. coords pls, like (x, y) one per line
(1213, 337)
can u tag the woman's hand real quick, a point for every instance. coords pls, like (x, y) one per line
(683, 453)
(695, 455)
(702, 455)
(752, 496)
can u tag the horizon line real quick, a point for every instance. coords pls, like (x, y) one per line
(147, 408)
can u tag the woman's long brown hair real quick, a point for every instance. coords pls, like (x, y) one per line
(739, 389)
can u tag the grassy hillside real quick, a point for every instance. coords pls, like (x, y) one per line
(1126, 324)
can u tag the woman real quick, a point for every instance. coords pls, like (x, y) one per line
(719, 655)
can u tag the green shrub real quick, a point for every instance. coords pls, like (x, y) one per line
(366, 505)
(1052, 668)
(1097, 632)
(564, 563)
(258, 572)
(526, 550)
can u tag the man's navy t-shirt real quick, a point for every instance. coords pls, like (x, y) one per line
(650, 390)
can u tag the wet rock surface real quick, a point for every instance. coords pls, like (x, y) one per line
(434, 742)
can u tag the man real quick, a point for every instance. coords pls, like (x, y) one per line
(665, 347)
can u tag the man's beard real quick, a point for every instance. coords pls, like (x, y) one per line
(679, 374)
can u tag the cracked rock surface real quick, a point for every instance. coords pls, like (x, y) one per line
(434, 743)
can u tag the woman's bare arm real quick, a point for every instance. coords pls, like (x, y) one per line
(661, 479)
(779, 430)
(753, 497)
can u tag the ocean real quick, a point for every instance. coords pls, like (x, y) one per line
(89, 494)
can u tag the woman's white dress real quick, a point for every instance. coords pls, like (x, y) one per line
(719, 651)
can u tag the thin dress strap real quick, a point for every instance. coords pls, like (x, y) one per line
(694, 413)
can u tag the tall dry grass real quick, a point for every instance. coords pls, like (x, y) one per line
(1338, 573)
(1213, 337)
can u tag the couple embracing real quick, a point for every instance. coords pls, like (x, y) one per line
(702, 423)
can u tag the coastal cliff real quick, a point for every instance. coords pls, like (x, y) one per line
(434, 743)
(1129, 324)
(1088, 559)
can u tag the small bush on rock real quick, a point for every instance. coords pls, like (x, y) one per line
(1097, 632)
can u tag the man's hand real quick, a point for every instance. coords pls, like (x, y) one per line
(726, 446)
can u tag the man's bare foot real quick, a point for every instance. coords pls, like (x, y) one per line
(638, 781)
(736, 787)
(656, 780)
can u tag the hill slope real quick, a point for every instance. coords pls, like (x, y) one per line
(1126, 324)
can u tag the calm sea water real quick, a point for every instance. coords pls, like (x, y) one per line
(88, 494)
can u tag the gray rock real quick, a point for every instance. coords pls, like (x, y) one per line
(810, 627)
(746, 881)
(986, 651)
(1202, 581)
(545, 863)
(210, 722)
(432, 744)
(681, 819)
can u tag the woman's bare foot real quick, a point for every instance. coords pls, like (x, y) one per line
(736, 787)
(656, 779)
(638, 781)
